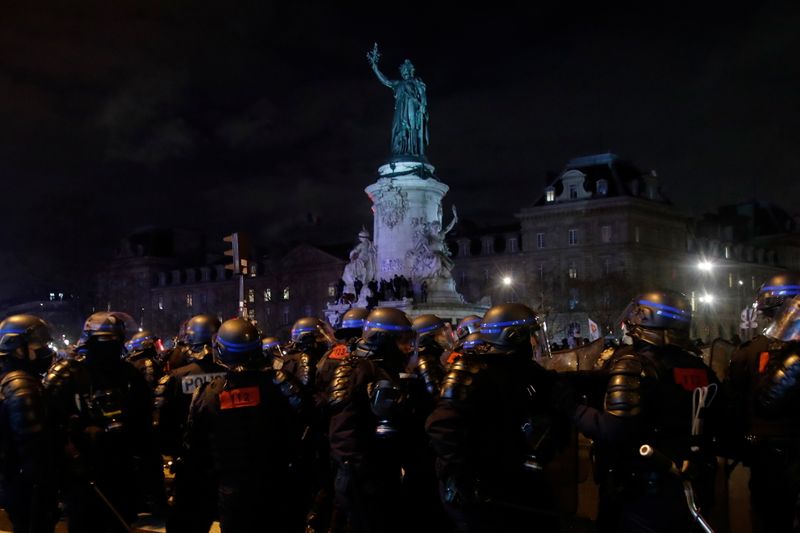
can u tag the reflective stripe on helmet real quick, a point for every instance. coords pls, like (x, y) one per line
(388, 327)
(668, 311)
(240, 346)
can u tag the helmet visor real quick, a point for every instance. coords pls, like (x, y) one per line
(786, 326)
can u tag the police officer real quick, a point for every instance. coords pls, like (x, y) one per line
(311, 338)
(466, 326)
(142, 354)
(173, 396)
(173, 393)
(369, 427)
(655, 393)
(104, 406)
(434, 341)
(240, 425)
(27, 441)
(271, 348)
(323, 515)
(490, 427)
(759, 441)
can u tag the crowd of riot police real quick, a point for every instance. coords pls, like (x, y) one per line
(391, 424)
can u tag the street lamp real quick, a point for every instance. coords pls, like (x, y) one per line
(507, 281)
(705, 265)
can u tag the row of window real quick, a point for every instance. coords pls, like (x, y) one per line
(251, 297)
(572, 237)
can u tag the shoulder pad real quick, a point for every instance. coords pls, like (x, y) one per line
(339, 389)
(18, 382)
(22, 396)
(623, 395)
(432, 374)
(60, 373)
(459, 380)
(288, 388)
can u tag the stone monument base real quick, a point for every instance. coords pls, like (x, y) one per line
(453, 311)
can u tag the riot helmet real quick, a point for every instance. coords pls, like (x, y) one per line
(271, 348)
(785, 325)
(26, 338)
(142, 341)
(432, 330)
(102, 338)
(467, 325)
(386, 328)
(199, 335)
(237, 345)
(514, 328)
(659, 318)
(310, 332)
(352, 323)
(776, 290)
(472, 342)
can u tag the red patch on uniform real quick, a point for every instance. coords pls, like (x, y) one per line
(453, 357)
(690, 378)
(763, 360)
(236, 398)
(339, 352)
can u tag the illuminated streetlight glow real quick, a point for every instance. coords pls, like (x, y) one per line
(707, 299)
(507, 280)
(705, 266)
(741, 283)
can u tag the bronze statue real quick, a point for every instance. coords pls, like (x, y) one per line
(410, 123)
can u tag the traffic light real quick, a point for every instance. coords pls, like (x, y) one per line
(239, 253)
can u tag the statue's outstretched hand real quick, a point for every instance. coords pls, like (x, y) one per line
(374, 56)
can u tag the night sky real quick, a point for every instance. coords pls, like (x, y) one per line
(266, 117)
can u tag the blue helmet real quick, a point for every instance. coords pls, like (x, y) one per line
(659, 318)
(237, 345)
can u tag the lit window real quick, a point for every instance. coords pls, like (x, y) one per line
(730, 278)
(573, 270)
(605, 233)
(602, 187)
(160, 303)
(286, 293)
(573, 236)
(727, 252)
(251, 313)
(52, 296)
(332, 290)
(540, 240)
(189, 299)
(550, 194)
(267, 295)
(251, 295)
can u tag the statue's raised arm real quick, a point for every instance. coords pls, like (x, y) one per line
(373, 57)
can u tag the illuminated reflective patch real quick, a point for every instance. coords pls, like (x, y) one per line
(690, 378)
(190, 383)
(339, 352)
(453, 357)
(238, 398)
(763, 361)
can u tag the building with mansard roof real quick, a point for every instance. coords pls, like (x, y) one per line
(601, 231)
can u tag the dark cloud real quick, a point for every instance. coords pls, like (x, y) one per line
(265, 116)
